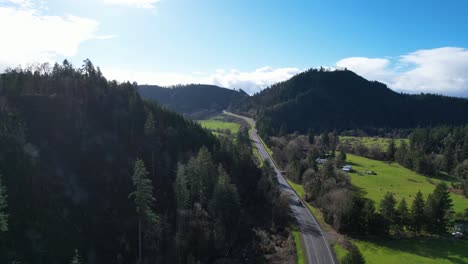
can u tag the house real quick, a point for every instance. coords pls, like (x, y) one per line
(347, 168)
(321, 161)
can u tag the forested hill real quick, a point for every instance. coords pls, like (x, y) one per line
(81, 159)
(195, 100)
(329, 100)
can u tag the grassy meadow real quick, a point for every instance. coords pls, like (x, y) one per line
(421, 251)
(394, 178)
(217, 124)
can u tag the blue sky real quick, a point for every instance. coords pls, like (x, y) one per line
(412, 46)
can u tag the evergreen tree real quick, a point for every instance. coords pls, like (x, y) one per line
(402, 215)
(3, 207)
(417, 216)
(400, 153)
(387, 208)
(441, 205)
(77, 258)
(325, 139)
(464, 153)
(150, 133)
(429, 213)
(225, 205)
(391, 150)
(202, 175)
(353, 256)
(181, 188)
(143, 199)
(341, 159)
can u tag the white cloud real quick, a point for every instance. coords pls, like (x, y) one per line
(28, 36)
(441, 70)
(250, 82)
(146, 4)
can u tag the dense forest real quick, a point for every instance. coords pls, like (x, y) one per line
(195, 100)
(339, 100)
(91, 173)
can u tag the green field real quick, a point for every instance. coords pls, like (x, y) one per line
(393, 178)
(421, 251)
(404, 183)
(369, 142)
(339, 251)
(298, 243)
(217, 124)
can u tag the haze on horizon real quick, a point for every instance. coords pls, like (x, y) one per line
(244, 44)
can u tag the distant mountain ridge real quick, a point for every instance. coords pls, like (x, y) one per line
(194, 100)
(328, 100)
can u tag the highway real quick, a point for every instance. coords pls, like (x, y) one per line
(317, 250)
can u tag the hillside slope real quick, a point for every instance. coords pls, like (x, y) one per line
(328, 100)
(195, 100)
(68, 144)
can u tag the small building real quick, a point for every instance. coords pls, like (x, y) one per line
(321, 161)
(347, 168)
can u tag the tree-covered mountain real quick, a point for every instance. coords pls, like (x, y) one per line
(88, 170)
(194, 100)
(337, 100)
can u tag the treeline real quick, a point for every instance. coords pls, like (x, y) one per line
(91, 173)
(341, 100)
(329, 188)
(198, 101)
(438, 151)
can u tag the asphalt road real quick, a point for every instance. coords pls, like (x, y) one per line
(316, 247)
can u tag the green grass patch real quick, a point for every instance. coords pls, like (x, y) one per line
(266, 147)
(298, 188)
(421, 251)
(339, 251)
(218, 124)
(394, 178)
(257, 155)
(298, 243)
(369, 142)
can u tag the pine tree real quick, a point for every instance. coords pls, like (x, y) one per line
(181, 188)
(391, 150)
(3, 207)
(353, 256)
(150, 133)
(443, 208)
(400, 153)
(143, 198)
(341, 159)
(77, 258)
(387, 208)
(417, 216)
(429, 214)
(402, 214)
(225, 204)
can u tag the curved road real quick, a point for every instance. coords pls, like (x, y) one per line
(316, 247)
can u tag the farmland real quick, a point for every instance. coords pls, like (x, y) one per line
(394, 178)
(218, 125)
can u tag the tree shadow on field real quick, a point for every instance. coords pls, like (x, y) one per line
(353, 164)
(358, 190)
(453, 250)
